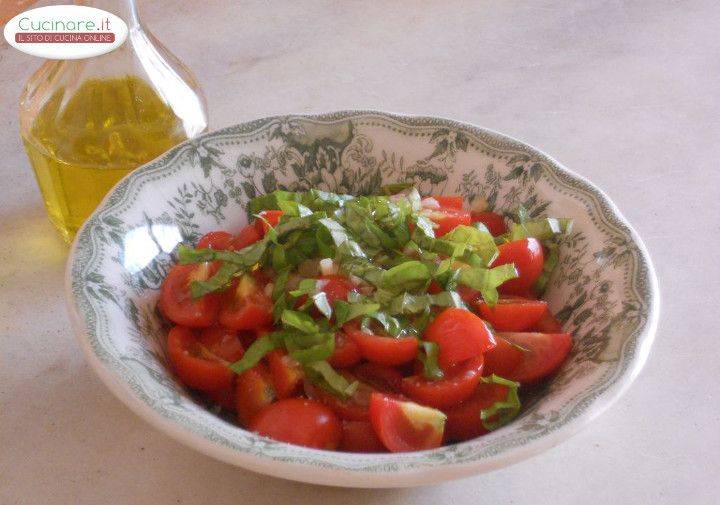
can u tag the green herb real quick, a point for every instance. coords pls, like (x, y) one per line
(501, 412)
(300, 321)
(345, 311)
(406, 276)
(257, 351)
(487, 280)
(323, 375)
(428, 355)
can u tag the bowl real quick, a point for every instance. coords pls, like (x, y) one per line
(604, 289)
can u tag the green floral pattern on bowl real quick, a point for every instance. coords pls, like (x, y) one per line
(604, 289)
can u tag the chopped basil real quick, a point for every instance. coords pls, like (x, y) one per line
(501, 412)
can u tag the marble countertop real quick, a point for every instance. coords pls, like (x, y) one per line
(625, 93)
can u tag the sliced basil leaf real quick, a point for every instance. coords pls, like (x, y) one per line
(405, 276)
(428, 355)
(463, 238)
(345, 311)
(316, 352)
(501, 412)
(300, 321)
(551, 260)
(221, 280)
(541, 229)
(325, 376)
(487, 280)
(392, 189)
(257, 351)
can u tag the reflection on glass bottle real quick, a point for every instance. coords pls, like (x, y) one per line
(87, 123)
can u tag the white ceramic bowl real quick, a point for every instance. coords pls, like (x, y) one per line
(604, 288)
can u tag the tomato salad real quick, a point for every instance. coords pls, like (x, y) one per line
(370, 323)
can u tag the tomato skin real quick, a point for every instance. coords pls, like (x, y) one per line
(195, 370)
(301, 422)
(359, 436)
(250, 310)
(458, 385)
(177, 303)
(493, 221)
(449, 201)
(270, 218)
(335, 287)
(383, 350)
(460, 334)
(222, 342)
(447, 219)
(346, 353)
(253, 392)
(396, 431)
(545, 353)
(512, 314)
(528, 257)
(219, 240)
(247, 236)
(287, 374)
(503, 358)
(548, 324)
(463, 421)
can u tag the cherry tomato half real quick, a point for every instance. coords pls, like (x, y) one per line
(383, 349)
(460, 334)
(543, 354)
(335, 287)
(176, 301)
(196, 367)
(458, 385)
(493, 221)
(405, 426)
(447, 219)
(354, 408)
(528, 257)
(548, 324)
(253, 392)
(346, 353)
(246, 306)
(513, 314)
(299, 421)
(503, 358)
(269, 218)
(463, 421)
(247, 236)
(359, 436)
(222, 342)
(219, 240)
(449, 201)
(287, 374)
(381, 377)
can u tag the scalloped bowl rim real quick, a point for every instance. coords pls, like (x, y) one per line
(405, 477)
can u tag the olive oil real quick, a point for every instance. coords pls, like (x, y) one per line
(80, 145)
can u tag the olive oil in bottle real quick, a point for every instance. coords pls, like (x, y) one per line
(87, 123)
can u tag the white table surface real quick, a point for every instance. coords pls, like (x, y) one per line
(623, 92)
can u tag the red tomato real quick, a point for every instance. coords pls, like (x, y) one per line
(287, 374)
(494, 222)
(446, 219)
(548, 324)
(336, 287)
(503, 358)
(405, 426)
(178, 305)
(468, 294)
(253, 392)
(196, 368)
(222, 342)
(347, 352)
(354, 408)
(301, 422)
(215, 240)
(527, 256)
(544, 354)
(463, 421)
(246, 306)
(382, 378)
(381, 349)
(269, 218)
(359, 436)
(449, 201)
(458, 385)
(460, 334)
(247, 236)
(513, 314)
(224, 397)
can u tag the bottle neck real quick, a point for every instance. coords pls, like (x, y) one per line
(124, 9)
